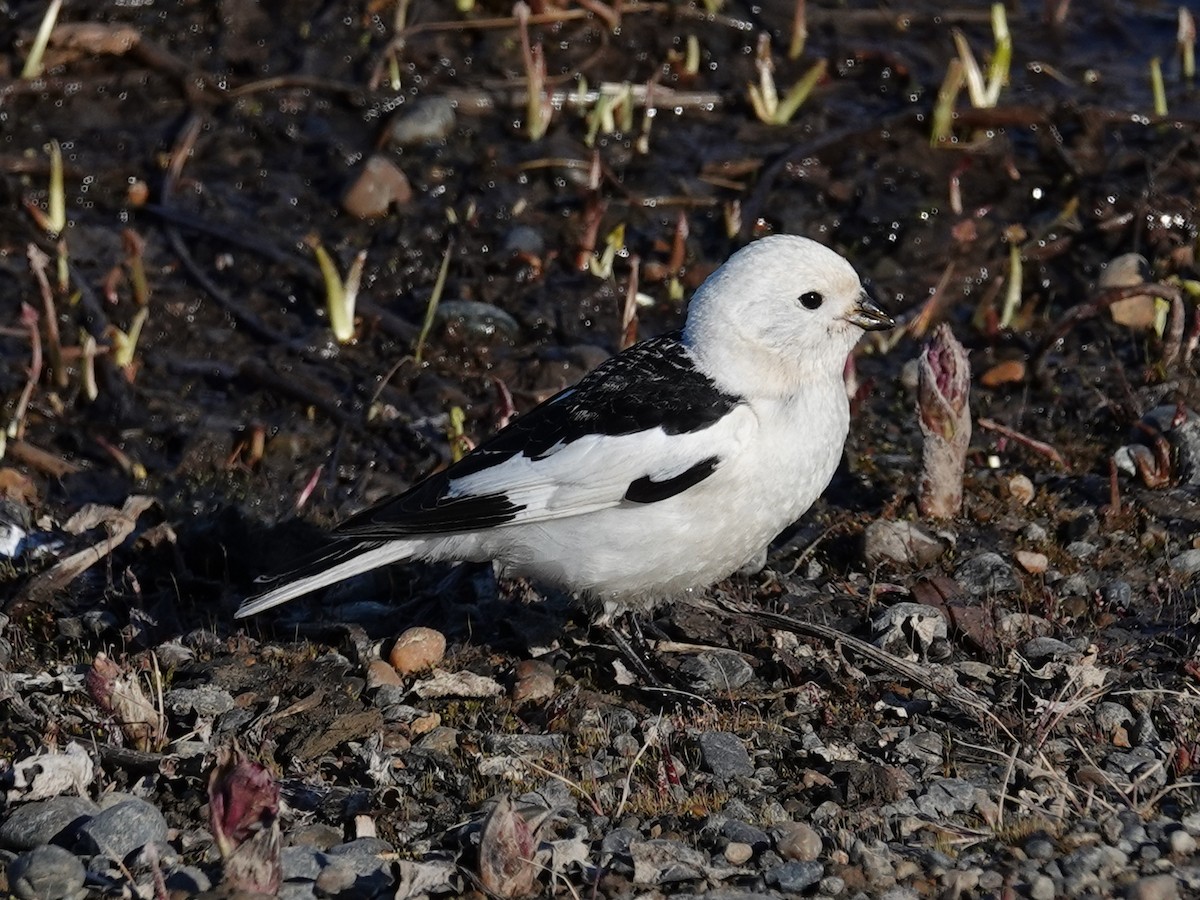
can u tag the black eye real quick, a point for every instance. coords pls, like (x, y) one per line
(811, 300)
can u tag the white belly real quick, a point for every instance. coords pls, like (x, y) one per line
(634, 554)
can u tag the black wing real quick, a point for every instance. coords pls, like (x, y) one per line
(654, 384)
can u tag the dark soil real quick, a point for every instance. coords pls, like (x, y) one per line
(229, 134)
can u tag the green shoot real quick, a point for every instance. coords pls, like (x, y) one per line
(431, 308)
(456, 434)
(985, 93)
(795, 98)
(1012, 294)
(943, 111)
(1157, 88)
(799, 30)
(1186, 37)
(340, 297)
(602, 266)
(56, 202)
(764, 96)
(33, 63)
(539, 105)
(691, 56)
(88, 367)
(125, 342)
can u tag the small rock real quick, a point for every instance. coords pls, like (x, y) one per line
(46, 873)
(725, 754)
(908, 626)
(741, 833)
(1032, 562)
(1186, 563)
(1035, 533)
(429, 119)
(45, 822)
(417, 649)
(1047, 648)
(188, 881)
(902, 543)
(1154, 887)
(533, 680)
(380, 185)
(380, 673)
(478, 321)
(123, 828)
(716, 671)
(737, 853)
(524, 239)
(797, 841)
(986, 575)
(441, 740)
(1111, 716)
(831, 886)
(875, 859)
(794, 877)
(1127, 270)
(1181, 843)
(1041, 887)
(1081, 549)
(207, 701)
(1020, 488)
(1040, 847)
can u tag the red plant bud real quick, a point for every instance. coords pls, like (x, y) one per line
(943, 409)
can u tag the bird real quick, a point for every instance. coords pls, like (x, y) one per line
(670, 466)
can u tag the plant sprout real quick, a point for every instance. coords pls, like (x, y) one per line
(340, 296)
(431, 308)
(34, 62)
(985, 92)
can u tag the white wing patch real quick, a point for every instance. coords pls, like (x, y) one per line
(594, 472)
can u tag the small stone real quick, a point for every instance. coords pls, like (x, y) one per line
(46, 873)
(380, 185)
(831, 886)
(1111, 716)
(1128, 270)
(477, 321)
(207, 701)
(1035, 533)
(986, 575)
(123, 828)
(737, 853)
(1154, 887)
(1040, 847)
(1181, 843)
(417, 649)
(533, 681)
(1020, 488)
(725, 754)
(1186, 563)
(187, 881)
(794, 877)
(901, 543)
(1032, 562)
(380, 673)
(742, 833)
(441, 740)
(1081, 549)
(797, 841)
(716, 671)
(1041, 888)
(45, 822)
(426, 121)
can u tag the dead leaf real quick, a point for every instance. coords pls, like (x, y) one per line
(119, 693)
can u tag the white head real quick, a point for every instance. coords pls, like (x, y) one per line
(782, 312)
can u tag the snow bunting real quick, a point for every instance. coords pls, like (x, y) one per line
(667, 468)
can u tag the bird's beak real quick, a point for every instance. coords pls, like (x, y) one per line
(868, 316)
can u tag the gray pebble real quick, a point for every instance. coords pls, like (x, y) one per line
(1118, 593)
(901, 542)
(1081, 549)
(478, 320)
(794, 877)
(205, 701)
(46, 873)
(1154, 887)
(1111, 716)
(725, 754)
(875, 860)
(121, 829)
(986, 575)
(1041, 888)
(716, 671)
(1186, 563)
(1181, 843)
(524, 239)
(45, 822)
(797, 841)
(1040, 847)
(300, 863)
(831, 886)
(428, 120)
(733, 830)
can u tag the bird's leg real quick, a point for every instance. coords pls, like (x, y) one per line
(639, 658)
